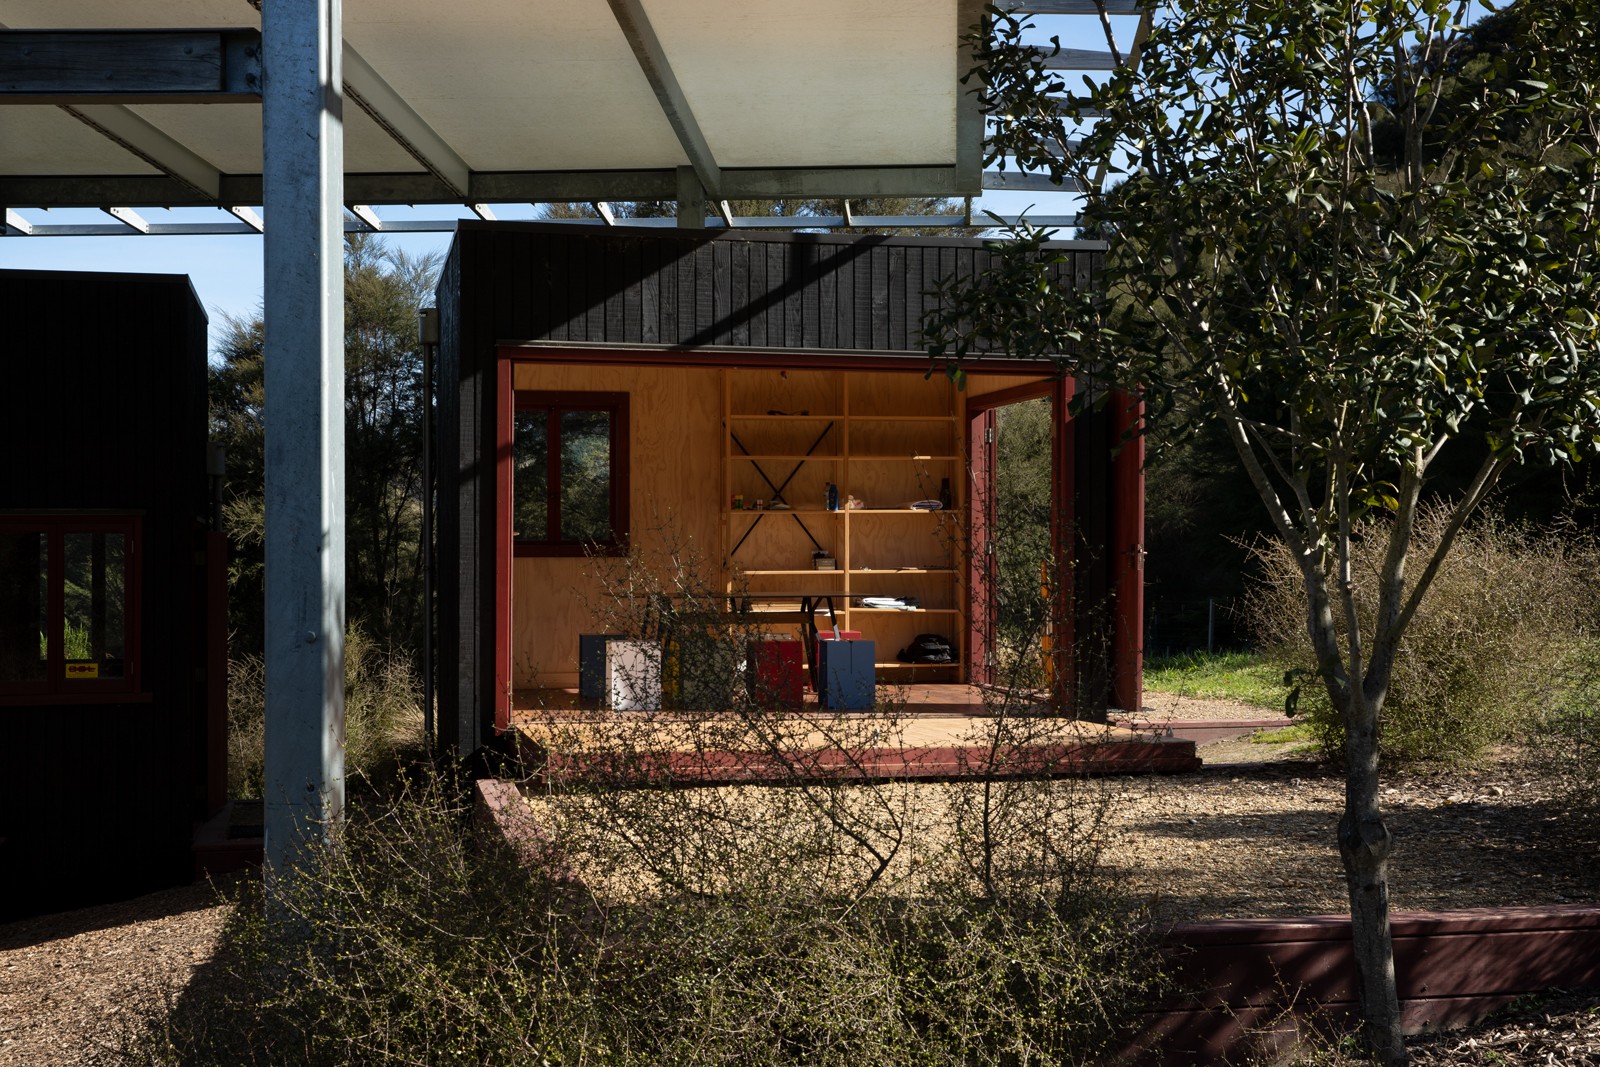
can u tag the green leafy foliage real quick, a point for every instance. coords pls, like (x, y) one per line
(384, 288)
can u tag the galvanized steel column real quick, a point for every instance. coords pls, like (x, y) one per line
(303, 145)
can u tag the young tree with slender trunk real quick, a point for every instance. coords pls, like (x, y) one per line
(1358, 241)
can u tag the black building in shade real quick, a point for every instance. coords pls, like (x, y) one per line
(112, 589)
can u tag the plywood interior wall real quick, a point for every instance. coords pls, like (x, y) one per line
(676, 445)
(980, 384)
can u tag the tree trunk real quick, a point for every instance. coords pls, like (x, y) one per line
(1364, 845)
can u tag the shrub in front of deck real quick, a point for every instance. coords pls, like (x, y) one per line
(821, 923)
(1482, 657)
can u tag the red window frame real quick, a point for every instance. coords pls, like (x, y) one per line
(54, 687)
(616, 406)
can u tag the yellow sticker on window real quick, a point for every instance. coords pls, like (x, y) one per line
(83, 670)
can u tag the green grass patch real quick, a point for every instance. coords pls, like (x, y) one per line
(1300, 732)
(1241, 676)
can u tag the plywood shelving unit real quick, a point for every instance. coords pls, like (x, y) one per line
(885, 438)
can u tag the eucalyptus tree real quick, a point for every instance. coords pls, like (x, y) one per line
(1360, 244)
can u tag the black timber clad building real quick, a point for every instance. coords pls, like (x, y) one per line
(112, 602)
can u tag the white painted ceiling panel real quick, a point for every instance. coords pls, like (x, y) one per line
(518, 84)
(43, 139)
(819, 82)
(228, 136)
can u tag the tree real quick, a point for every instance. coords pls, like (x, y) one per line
(383, 446)
(1346, 315)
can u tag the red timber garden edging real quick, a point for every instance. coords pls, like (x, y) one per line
(1252, 986)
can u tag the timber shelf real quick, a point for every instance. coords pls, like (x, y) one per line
(885, 438)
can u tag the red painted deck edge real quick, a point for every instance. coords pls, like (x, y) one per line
(932, 763)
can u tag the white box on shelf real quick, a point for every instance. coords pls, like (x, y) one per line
(633, 675)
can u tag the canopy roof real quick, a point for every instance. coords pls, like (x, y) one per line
(483, 102)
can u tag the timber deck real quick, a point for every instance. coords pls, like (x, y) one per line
(938, 732)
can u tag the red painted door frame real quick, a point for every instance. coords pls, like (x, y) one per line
(981, 425)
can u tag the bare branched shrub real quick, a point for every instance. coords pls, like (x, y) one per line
(1565, 744)
(383, 712)
(815, 909)
(1483, 654)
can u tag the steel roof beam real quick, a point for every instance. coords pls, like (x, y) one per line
(248, 217)
(369, 218)
(1075, 7)
(130, 66)
(129, 218)
(493, 187)
(367, 89)
(652, 59)
(1029, 182)
(17, 226)
(1075, 58)
(116, 123)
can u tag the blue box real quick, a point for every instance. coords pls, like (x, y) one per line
(592, 664)
(847, 678)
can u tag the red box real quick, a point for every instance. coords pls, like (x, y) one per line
(775, 673)
(824, 634)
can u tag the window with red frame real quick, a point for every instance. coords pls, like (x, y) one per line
(569, 473)
(67, 588)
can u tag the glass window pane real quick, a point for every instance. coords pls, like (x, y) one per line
(24, 573)
(586, 476)
(93, 624)
(530, 515)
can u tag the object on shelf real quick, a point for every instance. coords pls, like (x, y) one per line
(778, 505)
(853, 503)
(738, 502)
(633, 675)
(823, 560)
(944, 492)
(592, 664)
(896, 603)
(927, 648)
(925, 505)
(846, 675)
(831, 497)
(775, 673)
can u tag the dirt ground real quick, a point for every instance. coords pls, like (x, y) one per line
(1249, 835)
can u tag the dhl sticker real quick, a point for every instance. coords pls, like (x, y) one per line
(83, 670)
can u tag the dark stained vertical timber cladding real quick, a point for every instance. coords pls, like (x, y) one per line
(723, 298)
(456, 506)
(104, 410)
(1092, 573)
(520, 282)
